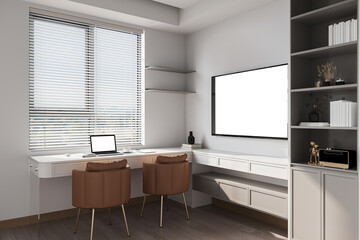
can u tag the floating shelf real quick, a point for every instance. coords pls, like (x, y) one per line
(328, 13)
(353, 170)
(167, 91)
(328, 51)
(328, 88)
(167, 69)
(325, 128)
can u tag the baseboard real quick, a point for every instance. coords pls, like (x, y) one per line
(279, 222)
(45, 217)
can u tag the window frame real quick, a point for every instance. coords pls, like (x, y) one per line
(89, 79)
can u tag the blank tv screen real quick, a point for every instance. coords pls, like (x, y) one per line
(251, 103)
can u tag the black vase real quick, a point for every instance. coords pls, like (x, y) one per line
(191, 138)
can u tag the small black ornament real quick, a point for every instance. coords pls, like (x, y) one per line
(191, 138)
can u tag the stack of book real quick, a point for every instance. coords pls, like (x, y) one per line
(343, 32)
(191, 146)
(343, 114)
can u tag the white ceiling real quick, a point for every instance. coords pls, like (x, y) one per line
(179, 16)
(178, 3)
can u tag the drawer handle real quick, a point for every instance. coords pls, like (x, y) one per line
(36, 169)
(30, 165)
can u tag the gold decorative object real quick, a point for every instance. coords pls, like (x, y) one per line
(314, 153)
(327, 71)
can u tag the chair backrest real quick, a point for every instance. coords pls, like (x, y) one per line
(165, 179)
(102, 189)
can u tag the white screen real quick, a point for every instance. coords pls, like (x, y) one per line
(253, 103)
(103, 143)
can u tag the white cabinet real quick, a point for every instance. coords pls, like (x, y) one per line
(306, 207)
(274, 203)
(324, 204)
(340, 207)
(237, 194)
(268, 198)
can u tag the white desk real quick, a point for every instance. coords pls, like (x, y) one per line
(62, 165)
(51, 169)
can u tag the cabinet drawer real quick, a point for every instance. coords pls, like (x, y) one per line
(65, 169)
(270, 171)
(207, 186)
(234, 194)
(206, 160)
(137, 162)
(233, 164)
(266, 202)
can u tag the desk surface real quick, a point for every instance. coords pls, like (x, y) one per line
(50, 166)
(76, 157)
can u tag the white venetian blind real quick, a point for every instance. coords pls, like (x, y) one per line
(84, 80)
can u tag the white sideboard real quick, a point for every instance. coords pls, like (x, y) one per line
(274, 167)
(263, 196)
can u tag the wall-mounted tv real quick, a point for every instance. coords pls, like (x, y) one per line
(252, 103)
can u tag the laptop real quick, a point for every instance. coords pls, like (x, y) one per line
(103, 144)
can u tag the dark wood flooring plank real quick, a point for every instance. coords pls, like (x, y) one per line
(207, 223)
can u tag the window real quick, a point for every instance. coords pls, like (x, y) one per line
(84, 79)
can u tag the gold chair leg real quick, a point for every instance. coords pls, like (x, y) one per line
(126, 224)
(109, 217)
(92, 224)
(142, 208)
(77, 221)
(186, 209)
(161, 211)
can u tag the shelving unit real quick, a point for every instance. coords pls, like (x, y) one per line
(170, 70)
(309, 48)
(323, 186)
(327, 88)
(167, 91)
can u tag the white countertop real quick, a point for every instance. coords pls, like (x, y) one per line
(74, 157)
(251, 157)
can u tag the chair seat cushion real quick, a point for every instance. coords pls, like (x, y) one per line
(93, 166)
(171, 159)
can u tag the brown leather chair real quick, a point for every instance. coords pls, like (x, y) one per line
(102, 185)
(167, 176)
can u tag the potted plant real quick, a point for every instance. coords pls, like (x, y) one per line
(327, 72)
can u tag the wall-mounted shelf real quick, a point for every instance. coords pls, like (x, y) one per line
(328, 13)
(167, 91)
(328, 51)
(325, 128)
(353, 170)
(168, 69)
(329, 88)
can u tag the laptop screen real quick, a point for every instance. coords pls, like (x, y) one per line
(103, 143)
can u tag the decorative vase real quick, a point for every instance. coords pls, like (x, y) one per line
(191, 138)
(314, 115)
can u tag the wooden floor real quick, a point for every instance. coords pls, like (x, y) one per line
(207, 223)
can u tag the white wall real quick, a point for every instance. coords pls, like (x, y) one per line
(254, 39)
(164, 114)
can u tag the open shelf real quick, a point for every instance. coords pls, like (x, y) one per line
(352, 170)
(167, 69)
(328, 13)
(167, 91)
(325, 128)
(326, 88)
(328, 51)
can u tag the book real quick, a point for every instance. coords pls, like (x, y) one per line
(191, 146)
(331, 35)
(314, 124)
